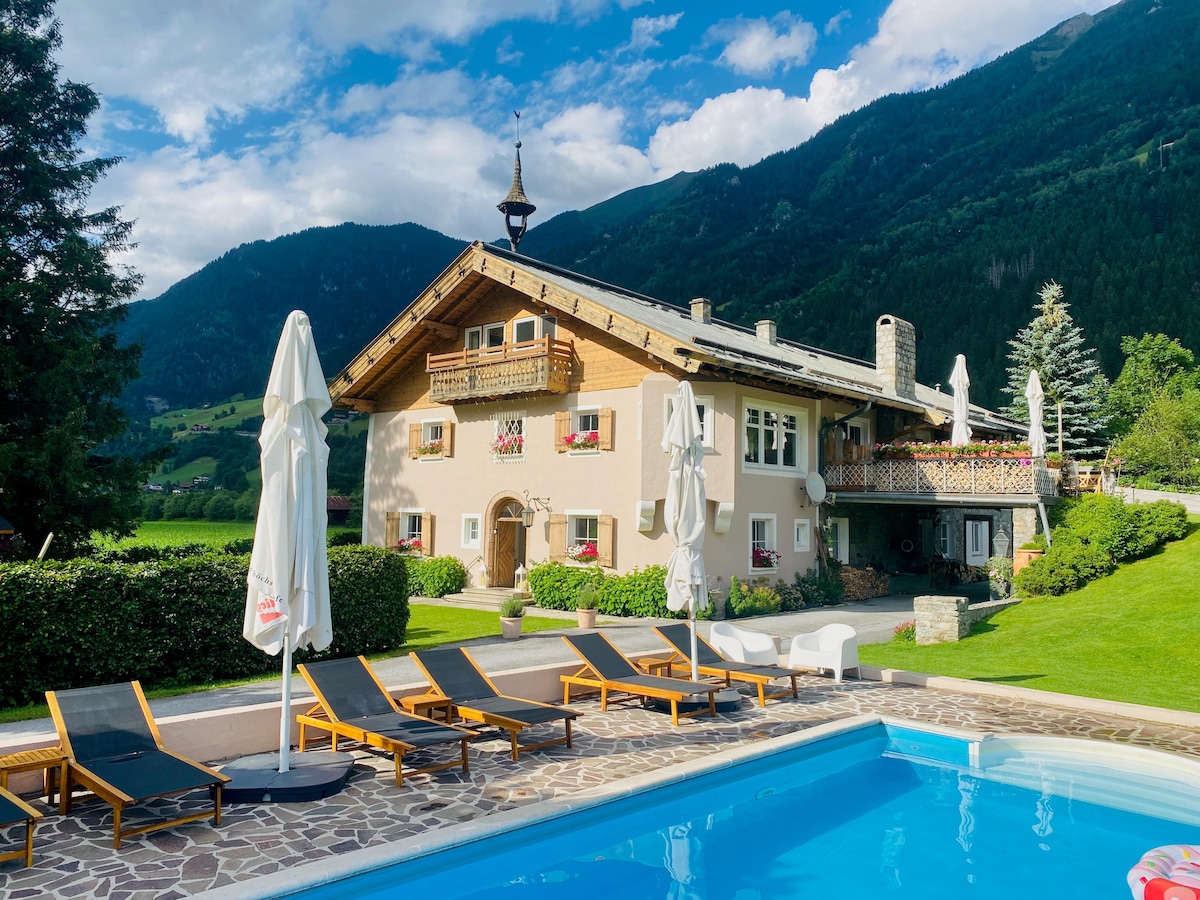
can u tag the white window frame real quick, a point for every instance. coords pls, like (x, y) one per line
(708, 424)
(943, 540)
(487, 332)
(407, 517)
(469, 543)
(770, 541)
(576, 412)
(514, 416)
(477, 332)
(800, 469)
(427, 428)
(802, 536)
(982, 553)
(573, 517)
(864, 425)
(839, 540)
(532, 321)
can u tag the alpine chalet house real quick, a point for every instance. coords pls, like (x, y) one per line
(517, 409)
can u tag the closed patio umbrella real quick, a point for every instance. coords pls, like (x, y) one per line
(684, 510)
(287, 600)
(1036, 398)
(960, 434)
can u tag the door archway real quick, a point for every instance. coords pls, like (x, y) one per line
(506, 546)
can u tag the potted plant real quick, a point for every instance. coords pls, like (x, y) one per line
(587, 599)
(1027, 553)
(512, 611)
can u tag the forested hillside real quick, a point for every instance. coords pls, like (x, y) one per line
(1074, 158)
(214, 334)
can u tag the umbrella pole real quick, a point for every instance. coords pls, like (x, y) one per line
(285, 711)
(692, 616)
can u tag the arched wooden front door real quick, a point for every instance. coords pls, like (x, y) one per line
(508, 544)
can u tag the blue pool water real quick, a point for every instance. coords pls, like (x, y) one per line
(848, 816)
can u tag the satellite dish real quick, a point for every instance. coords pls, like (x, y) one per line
(814, 486)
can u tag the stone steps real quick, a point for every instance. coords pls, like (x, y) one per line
(486, 598)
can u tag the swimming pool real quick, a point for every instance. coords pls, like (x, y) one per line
(865, 808)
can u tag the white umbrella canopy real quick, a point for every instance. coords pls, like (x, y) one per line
(287, 599)
(684, 510)
(960, 434)
(1036, 398)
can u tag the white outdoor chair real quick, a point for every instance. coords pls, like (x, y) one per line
(742, 645)
(833, 647)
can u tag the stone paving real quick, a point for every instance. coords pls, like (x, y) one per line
(73, 856)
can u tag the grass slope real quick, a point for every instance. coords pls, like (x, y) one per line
(1132, 636)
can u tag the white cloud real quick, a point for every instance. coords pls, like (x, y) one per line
(506, 55)
(759, 46)
(834, 25)
(644, 32)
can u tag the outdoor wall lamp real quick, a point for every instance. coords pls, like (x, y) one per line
(533, 505)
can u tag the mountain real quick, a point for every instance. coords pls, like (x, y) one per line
(213, 334)
(1075, 157)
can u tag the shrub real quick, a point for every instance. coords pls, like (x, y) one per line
(435, 576)
(239, 546)
(642, 592)
(170, 621)
(555, 585)
(754, 599)
(905, 631)
(512, 608)
(344, 538)
(1065, 567)
(1000, 574)
(139, 553)
(809, 590)
(1160, 522)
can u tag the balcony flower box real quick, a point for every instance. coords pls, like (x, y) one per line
(508, 444)
(582, 440)
(431, 448)
(409, 545)
(586, 552)
(764, 559)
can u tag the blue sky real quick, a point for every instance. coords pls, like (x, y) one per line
(247, 119)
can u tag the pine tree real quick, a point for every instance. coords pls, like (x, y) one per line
(61, 367)
(1053, 344)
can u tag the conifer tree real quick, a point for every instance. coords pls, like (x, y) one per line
(1053, 344)
(61, 367)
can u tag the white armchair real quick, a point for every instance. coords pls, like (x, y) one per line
(742, 645)
(833, 647)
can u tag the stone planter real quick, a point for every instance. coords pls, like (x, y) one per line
(1022, 558)
(510, 628)
(586, 617)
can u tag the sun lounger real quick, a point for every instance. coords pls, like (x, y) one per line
(13, 810)
(352, 703)
(710, 662)
(608, 669)
(114, 750)
(455, 675)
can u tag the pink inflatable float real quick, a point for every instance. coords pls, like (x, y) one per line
(1167, 873)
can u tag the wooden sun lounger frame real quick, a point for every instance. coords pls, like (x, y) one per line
(588, 677)
(30, 819)
(514, 727)
(117, 799)
(320, 718)
(758, 680)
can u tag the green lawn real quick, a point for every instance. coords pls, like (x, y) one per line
(1132, 636)
(167, 532)
(430, 626)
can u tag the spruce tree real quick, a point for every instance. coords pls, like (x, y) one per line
(1053, 344)
(61, 367)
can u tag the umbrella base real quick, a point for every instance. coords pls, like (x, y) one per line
(310, 776)
(726, 701)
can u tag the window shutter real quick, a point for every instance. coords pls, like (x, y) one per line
(606, 420)
(447, 439)
(414, 439)
(604, 543)
(562, 427)
(558, 537)
(391, 530)
(427, 534)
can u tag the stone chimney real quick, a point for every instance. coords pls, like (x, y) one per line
(702, 310)
(766, 331)
(896, 356)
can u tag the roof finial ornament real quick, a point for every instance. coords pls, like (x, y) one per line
(516, 203)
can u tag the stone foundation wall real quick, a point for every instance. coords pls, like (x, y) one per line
(942, 619)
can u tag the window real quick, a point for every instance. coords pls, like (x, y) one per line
(803, 536)
(942, 540)
(471, 531)
(839, 540)
(473, 338)
(508, 436)
(524, 330)
(582, 535)
(774, 438)
(493, 335)
(549, 327)
(585, 430)
(705, 409)
(763, 554)
(978, 541)
(410, 530)
(431, 440)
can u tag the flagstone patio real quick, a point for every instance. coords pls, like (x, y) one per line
(73, 856)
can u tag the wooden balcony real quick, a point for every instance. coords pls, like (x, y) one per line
(988, 476)
(530, 367)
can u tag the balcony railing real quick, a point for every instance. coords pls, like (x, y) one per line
(952, 475)
(528, 367)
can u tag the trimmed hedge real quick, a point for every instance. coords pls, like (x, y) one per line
(1095, 534)
(435, 576)
(173, 621)
(642, 592)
